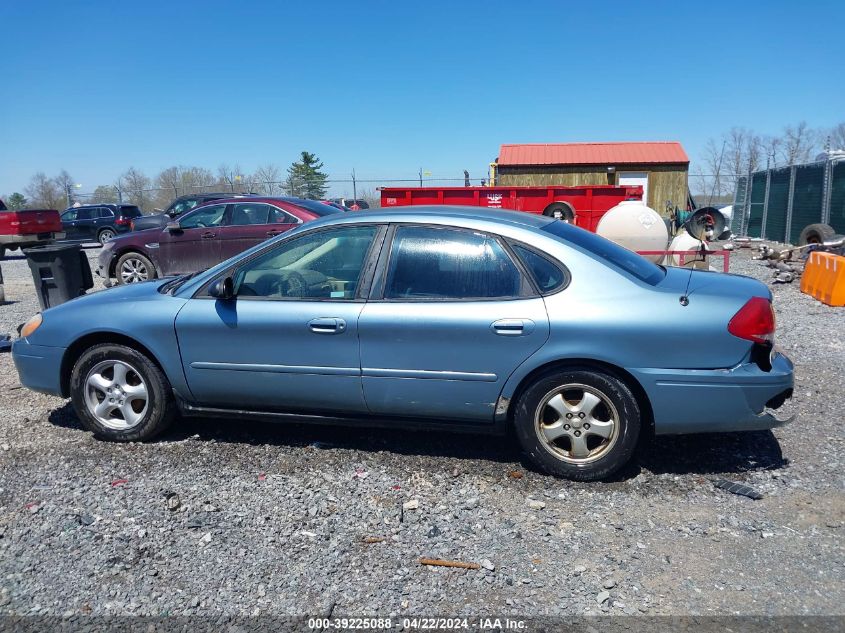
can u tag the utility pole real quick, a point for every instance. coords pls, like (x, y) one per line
(354, 188)
(420, 176)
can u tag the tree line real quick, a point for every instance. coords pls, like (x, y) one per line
(741, 150)
(303, 179)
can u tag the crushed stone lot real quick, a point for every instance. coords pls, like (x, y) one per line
(235, 518)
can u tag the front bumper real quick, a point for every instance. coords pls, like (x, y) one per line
(39, 366)
(717, 400)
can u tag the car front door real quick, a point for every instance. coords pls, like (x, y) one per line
(195, 245)
(289, 339)
(451, 320)
(250, 224)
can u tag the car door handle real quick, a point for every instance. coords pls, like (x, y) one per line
(327, 325)
(272, 233)
(208, 235)
(512, 327)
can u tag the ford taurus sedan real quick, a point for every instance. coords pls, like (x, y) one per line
(427, 317)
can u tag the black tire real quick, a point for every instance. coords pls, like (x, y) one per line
(560, 211)
(160, 409)
(606, 456)
(141, 262)
(816, 234)
(105, 235)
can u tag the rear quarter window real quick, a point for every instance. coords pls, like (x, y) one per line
(609, 252)
(131, 212)
(548, 275)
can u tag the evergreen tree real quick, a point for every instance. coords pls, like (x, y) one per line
(305, 180)
(16, 201)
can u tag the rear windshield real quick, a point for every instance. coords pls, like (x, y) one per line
(617, 256)
(317, 208)
(130, 212)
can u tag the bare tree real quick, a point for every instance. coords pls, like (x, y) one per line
(135, 186)
(103, 194)
(799, 141)
(772, 146)
(45, 192)
(267, 180)
(231, 178)
(837, 136)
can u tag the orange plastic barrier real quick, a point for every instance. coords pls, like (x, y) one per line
(824, 278)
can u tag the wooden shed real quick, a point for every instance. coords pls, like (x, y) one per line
(662, 167)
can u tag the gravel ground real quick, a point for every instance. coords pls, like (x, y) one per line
(243, 519)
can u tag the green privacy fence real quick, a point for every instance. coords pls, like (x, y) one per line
(776, 204)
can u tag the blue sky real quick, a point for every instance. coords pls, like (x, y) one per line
(389, 87)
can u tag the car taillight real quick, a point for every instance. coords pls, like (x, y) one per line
(123, 221)
(754, 322)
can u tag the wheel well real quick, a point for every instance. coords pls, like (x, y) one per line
(570, 214)
(112, 272)
(588, 363)
(79, 346)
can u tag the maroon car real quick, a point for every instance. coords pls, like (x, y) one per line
(207, 235)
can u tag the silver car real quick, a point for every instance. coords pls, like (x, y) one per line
(444, 317)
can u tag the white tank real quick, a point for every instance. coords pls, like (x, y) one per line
(635, 226)
(685, 242)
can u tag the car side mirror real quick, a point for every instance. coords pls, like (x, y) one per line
(173, 227)
(223, 289)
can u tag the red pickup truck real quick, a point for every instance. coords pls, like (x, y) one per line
(32, 227)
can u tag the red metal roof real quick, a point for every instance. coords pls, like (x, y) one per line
(592, 153)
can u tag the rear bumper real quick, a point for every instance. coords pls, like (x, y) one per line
(29, 239)
(717, 400)
(39, 366)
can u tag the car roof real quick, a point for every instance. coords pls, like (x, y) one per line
(445, 212)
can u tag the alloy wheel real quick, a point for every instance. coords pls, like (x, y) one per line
(106, 235)
(577, 423)
(133, 270)
(116, 395)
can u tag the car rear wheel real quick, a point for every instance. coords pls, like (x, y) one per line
(133, 268)
(578, 423)
(121, 395)
(105, 235)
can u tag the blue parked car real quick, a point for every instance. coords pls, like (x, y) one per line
(438, 316)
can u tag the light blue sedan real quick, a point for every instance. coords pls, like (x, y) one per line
(443, 317)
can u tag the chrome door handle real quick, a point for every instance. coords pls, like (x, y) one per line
(208, 235)
(327, 325)
(512, 327)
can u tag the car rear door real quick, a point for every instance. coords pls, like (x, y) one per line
(450, 319)
(250, 224)
(84, 224)
(195, 245)
(289, 340)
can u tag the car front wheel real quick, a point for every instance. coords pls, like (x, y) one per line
(578, 423)
(121, 395)
(132, 268)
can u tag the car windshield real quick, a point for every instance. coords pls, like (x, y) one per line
(617, 256)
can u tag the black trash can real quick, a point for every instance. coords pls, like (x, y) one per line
(60, 271)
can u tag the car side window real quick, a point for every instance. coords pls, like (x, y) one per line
(322, 265)
(434, 263)
(69, 216)
(183, 206)
(204, 217)
(279, 216)
(244, 214)
(546, 274)
(86, 214)
(104, 212)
